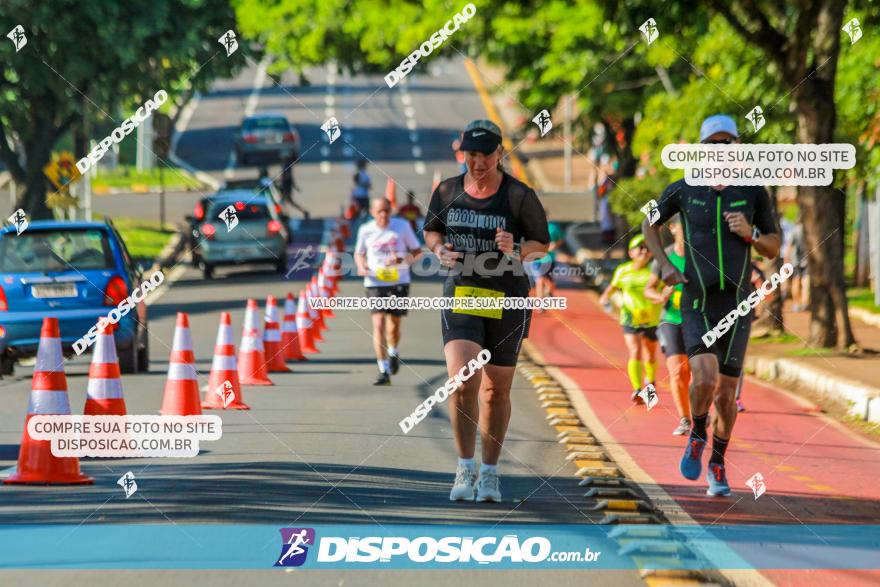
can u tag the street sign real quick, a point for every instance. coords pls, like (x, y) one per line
(62, 170)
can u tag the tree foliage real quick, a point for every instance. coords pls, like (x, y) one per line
(90, 61)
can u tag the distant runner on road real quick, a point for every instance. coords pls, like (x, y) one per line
(384, 250)
(639, 315)
(670, 331)
(484, 215)
(360, 193)
(721, 225)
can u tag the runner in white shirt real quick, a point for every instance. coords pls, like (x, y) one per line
(385, 249)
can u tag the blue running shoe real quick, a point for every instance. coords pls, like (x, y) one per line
(717, 479)
(691, 466)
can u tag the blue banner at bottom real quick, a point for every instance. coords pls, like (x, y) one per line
(351, 546)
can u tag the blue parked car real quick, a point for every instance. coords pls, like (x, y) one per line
(77, 272)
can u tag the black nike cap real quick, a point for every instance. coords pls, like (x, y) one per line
(483, 136)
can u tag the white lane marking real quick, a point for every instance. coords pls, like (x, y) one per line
(329, 100)
(182, 123)
(172, 276)
(409, 112)
(416, 151)
(420, 167)
(325, 151)
(325, 167)
(411, 123)
(414, 137)
(406, 99)
(328, 112)
(249, 108)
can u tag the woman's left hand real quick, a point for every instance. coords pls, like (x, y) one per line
(504, 241)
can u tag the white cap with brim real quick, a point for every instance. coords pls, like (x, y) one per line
(718, 123)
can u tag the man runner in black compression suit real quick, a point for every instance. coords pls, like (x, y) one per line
(721, 225)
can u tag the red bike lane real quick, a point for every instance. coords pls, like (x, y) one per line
(815, 471)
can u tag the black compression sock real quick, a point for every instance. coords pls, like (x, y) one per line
(699, 426)
(719, 446)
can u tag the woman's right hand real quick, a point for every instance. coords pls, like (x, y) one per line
(447, 256)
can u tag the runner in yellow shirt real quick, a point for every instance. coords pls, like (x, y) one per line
(638, 315)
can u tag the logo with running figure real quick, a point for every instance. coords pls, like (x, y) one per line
(229, 42)
(295, 543)
(19, 220)
(756, 484)
(331, 129)
(652, 211)
(756, 117)
(542, 119)
(18, 38)
(854, 29)
(649, 30)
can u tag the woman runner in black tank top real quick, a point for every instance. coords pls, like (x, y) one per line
(483, 223)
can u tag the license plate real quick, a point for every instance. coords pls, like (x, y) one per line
(54, 290)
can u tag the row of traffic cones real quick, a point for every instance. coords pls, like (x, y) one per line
(260, 353)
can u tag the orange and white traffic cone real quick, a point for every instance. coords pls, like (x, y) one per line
(304, 325)
(344, 228)
(182, 387)
(391, 194)
(324, 292)
(223, 369)
(272, 339)
(251, 354)
(314, 315)
(104, 392)
(36, 463)
(289, 333)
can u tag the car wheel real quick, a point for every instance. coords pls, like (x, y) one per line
(207, 270)
(7, 366)
(128, 358)
(143, 354)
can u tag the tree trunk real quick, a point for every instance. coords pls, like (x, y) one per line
(772, 320)
(38, 151)
(824, 210)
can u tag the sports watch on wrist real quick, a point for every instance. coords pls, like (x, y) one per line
(516, 253)
(756, 234)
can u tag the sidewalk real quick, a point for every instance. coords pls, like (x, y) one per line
(816, 471)
(851, 383)
(842, 377)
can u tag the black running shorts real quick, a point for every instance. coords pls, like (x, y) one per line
(401, 290)
(500, 336)
(671, 339)
(730, 348)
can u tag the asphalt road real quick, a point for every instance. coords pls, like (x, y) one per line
(405, 133)
(322, 446)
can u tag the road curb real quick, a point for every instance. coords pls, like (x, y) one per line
(173, 251)
(869, 318)
(863, 401)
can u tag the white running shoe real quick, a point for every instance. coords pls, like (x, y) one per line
(489, 487)
(465, 481)
(684, 427)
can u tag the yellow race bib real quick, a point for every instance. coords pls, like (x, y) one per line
(676, 299)
(387, 274)
(478, 292)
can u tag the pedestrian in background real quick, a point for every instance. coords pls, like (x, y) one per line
(360, 193)
(411, 211)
